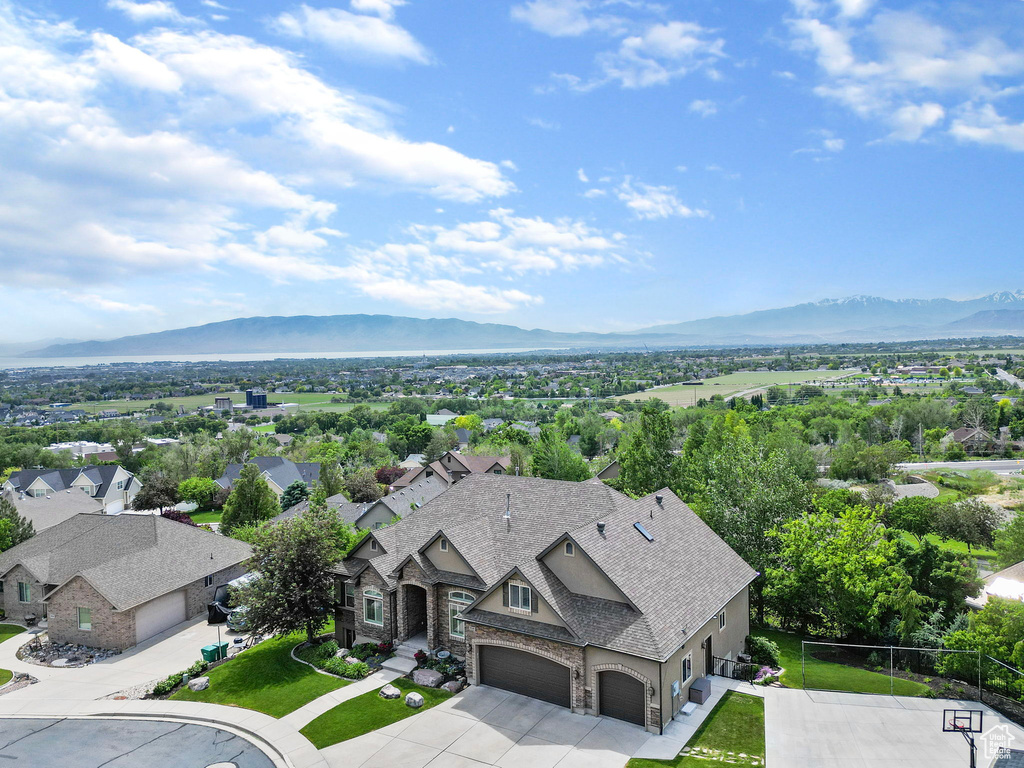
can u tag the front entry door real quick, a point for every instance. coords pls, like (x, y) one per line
(709, 657)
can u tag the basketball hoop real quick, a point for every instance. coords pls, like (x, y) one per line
(966, 722)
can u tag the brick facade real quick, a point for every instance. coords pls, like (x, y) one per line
(110, 629)
(457, 645)
(13, 607)
(198, 596)
(569, 655)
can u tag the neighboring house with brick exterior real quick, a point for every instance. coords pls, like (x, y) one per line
(113, 487)
(452, 467)
(114, 581)
(568, 592)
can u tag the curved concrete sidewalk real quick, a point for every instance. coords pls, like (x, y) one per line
(307, 713)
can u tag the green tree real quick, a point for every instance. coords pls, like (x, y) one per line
(748, 494)
(293, 494)
(971, 521)
(295, 587)
(6, 538)
(332, 478)
(158, 492)
(199, 491)
(251, 500)
(646, 462)
(555, 460)
(913, 514)
(996, 630)
(19, 528)
(836, 576)
(439, 444)
(1009, 543)
(362, 486)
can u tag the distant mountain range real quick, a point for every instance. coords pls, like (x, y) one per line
(858, 318)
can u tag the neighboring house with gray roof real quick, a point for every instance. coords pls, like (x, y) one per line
(113, 581)
(47, 511)
(113, 487)
(277, 471)
(377, 514)
(572, 593)
(454, 466)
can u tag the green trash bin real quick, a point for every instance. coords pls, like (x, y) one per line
(222, 649)
(210, 653)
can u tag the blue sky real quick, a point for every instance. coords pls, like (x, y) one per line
(568, 164)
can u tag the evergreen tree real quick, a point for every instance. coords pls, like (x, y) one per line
(251, 500)
(646, 462)
(555, 460)
(19, 528)
(293, 494)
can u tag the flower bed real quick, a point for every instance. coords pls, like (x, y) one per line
(451, 668)
(325, 657)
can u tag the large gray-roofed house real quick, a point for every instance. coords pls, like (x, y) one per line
(570, 592)
(377, 514)
(279, 472)
(114, 581)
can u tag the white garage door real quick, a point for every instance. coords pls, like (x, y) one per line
(159, 614)
(115, 508)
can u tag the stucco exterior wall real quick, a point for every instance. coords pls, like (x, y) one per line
(110, 629)
(494, 603)
(447, 561)
(197, 596)
(645, 670)
(580, 575)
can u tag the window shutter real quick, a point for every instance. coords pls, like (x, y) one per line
(533, 602)
(504, 594)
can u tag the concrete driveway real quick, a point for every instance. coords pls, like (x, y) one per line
(171, 651)
(819, 729)
(488, 727)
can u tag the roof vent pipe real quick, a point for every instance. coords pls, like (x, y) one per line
(508, 506)
(659, 498)
(600, 528)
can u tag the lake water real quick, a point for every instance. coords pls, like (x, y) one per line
(8, 363)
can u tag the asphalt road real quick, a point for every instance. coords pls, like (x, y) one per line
(92, 743)
(1008, 378)
(999, 466)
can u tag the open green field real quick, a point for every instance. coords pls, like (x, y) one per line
(318, 401)
(687, 395)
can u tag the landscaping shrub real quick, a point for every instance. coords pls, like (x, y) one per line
(763, 651)
(166, 686)
(337, 666)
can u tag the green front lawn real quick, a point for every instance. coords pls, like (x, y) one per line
(265, 678)
(735, 725)
(8, 631)
(830, 676)
(205, 518)
(368, 712)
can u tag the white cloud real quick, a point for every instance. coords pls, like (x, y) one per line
(105, 304)
(558, 18)
(130, 65)
(582, 176)
(900, 68)
(148, 12)
(984, 125)
(544, 125)
(353, 35)
(337, 137)
(383, 8)
(654, 202)
(834, 145)
(590, 194)
(703, 107)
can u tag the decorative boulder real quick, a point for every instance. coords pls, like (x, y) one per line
(429, 678)
(452, 686)
(389, 692)
(351, 660)
(413, 700)
(343, 652)
(199, 684)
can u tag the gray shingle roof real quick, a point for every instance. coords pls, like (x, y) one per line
(399, 502)
(282, 471)
(676, 582)
(129, 559)
(47, 511)
(62, 479)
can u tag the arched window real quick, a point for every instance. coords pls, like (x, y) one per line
(373, 607)
(456, 602)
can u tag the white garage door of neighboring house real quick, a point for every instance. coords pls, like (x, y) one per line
(159, 614)
(115, 507)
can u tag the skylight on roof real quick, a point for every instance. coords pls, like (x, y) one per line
(644, 531)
